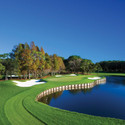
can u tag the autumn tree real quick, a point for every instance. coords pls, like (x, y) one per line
(32, 46)
(34, 61)
(42, 50)
(26, 60)
(35, 54)
(61, 64)
(55, 63)
(17, 55)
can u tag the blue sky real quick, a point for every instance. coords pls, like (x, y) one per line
(93, 29)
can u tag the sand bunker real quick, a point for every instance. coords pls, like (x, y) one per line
(94, 78)
(72, 75)
(28, 83)
(58, 75)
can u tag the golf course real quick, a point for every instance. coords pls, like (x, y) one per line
(18, 105)
(62, 62)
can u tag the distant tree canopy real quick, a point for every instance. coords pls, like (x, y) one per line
(28, 61)
(77, 64)
(113, 66)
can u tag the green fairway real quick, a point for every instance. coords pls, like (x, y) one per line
(18, 106)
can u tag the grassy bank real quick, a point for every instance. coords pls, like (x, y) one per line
(18, 105)
(109, 74)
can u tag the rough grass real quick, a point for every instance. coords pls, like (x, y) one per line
(18, 105)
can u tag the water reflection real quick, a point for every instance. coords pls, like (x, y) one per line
(54, 93)
(85, 91)
(107, 100)
(47, 99)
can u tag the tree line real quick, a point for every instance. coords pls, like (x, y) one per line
(113, 66)
(30, 61)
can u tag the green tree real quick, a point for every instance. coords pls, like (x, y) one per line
(48, 64)
(8, 63)
(2, 69)
(41, 63)
(113, 66)
(86, 66)
(98, 67)
(74, 63)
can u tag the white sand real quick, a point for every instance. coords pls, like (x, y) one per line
(64, 75)
(28, 83)
(58, 75)
(94, 78)
(72, 75)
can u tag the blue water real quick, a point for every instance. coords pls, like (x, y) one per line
(107, 100)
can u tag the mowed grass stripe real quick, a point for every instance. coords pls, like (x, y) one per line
(55, 116)
(7, 90)
(22, 109)
(16, 113)
(14, 108)
(33, 114)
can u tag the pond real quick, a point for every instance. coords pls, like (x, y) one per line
(107, 100)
